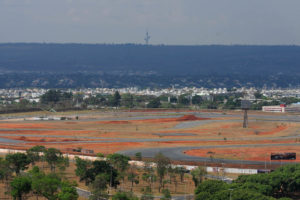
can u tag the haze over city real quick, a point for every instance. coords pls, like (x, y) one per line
(192, 22)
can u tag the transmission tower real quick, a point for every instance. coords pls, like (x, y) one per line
(147, 38)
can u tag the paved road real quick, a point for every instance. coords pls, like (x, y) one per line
(4, 140)
(120, 140)
(83, 193)
(86, 194)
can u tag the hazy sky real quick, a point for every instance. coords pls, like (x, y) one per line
(168, 21)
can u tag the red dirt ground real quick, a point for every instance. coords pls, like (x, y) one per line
(46, 132)
(272, 132)
(23, 125)
(247, 153)
(39, 139)
(114, 122)
(160, 120)
(144, 128)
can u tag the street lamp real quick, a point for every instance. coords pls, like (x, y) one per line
(266, 161)
(230, 193)
(223, 171)
(185, 190)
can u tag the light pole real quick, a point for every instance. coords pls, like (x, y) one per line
(185, 190)
(230, 193)
(242, 157)
(266, 161)
(223, 171)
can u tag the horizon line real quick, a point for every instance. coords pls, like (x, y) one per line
(142, 44)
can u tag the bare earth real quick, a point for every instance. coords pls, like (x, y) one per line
(139, 131)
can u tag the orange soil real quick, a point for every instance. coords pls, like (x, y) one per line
(145, 128)
(46, 132)
(234, 130)
(173, 110)
(175, 119)
(234, 142)
(159, 110)
(114, 122)
(160, 120)
(39, 139)
(246, 153)
(275, 130)
(106, 148)
(23, 125)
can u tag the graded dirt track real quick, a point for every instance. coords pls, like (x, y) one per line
(182, 135)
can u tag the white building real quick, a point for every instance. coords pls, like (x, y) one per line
(280, 108)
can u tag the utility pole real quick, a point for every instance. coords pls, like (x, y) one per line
(266, 161)
(230, 193)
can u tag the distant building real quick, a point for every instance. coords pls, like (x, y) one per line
(295, 107)
(281, 108)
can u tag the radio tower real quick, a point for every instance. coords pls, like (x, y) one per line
(147, 38)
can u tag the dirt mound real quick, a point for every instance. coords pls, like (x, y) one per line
(189, 118)
(174, 119)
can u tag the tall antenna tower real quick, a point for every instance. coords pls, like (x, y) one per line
(147, 38)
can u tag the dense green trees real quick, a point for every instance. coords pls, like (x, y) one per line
(51, 186)
(35, 154)
(115, 99)
(119, 162)
(5, 172)
(283, 183)
(18, 162)
(67, 192)
(184, 100)
(198, 175)
(154, 103)
(127, 100)
(82, 167)
(58, 100)
(100, 175)
(19, 186)
(138, 156)
(99, 186)
(124, 196)
(54, 96)
(87, 171)
(196, 99)
(166, 195)
(35, 182)
(55, 158)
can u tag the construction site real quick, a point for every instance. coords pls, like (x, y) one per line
(210, 138)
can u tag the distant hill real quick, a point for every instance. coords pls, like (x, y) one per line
(87, 65)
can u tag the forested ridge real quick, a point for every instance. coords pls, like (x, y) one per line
(109, 65)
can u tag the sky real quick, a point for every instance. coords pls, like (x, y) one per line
(175, 22)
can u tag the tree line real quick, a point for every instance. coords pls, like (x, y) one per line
(23, 178)
(39, 173)
(283, 184)
(61, 101)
